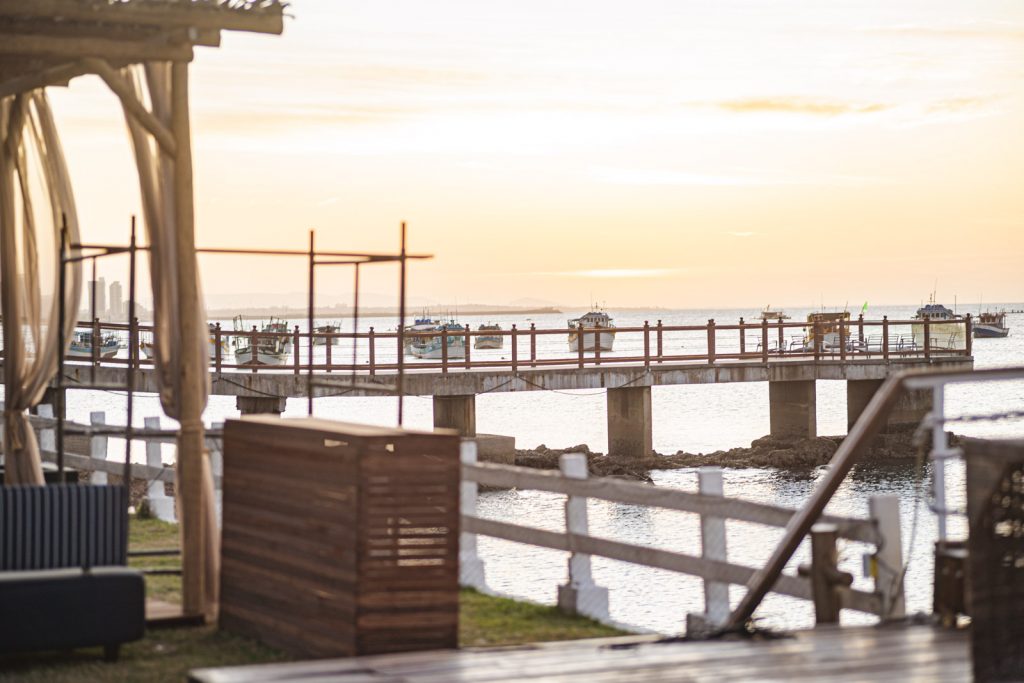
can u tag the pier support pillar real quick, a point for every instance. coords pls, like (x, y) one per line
(258, 405)
(792, 407)
(630, 425)
(908, 412)
(456, 412)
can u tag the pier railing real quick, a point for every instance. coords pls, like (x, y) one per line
(371, 351)
(820, 581)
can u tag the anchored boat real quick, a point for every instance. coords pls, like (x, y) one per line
(489, 341)
(826, 325)
(331, 328)
(82, 342)
(433, 347)
(599, 332)
(945, 328)
(768, 315)
(270, 350)
(991, 324)
(424, 323)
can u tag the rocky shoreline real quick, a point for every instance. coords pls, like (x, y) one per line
(791, 453)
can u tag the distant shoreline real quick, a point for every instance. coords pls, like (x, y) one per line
(289, 313)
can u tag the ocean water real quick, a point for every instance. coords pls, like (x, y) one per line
(691, 418)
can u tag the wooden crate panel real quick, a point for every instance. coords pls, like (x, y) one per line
(340, 539)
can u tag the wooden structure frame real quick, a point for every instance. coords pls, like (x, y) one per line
(49, 42)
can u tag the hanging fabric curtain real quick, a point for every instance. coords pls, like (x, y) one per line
(156, 181)
(32, 170)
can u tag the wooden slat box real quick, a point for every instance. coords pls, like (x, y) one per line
(340, 539)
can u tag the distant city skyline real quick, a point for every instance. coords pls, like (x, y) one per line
(675, 154)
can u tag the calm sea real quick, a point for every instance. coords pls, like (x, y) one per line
(690, 418)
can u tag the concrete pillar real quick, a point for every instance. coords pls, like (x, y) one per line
(908, 412)
(257, 405)
(630, 425)
(793, 408)
(456, 412)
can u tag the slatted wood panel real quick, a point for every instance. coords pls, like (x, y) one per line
(887, 653)
(339, 539)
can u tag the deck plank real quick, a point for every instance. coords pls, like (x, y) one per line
(904, 653)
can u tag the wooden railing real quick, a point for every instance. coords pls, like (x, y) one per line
(373, 352)
(823, 583)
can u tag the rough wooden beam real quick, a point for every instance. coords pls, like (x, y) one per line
(135, 108)
(266, 20)
(60, 74)
(13, 44)
(121, 32)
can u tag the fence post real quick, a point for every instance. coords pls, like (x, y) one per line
(885, 337)
(842, 340)
(579, 344)
(373, 354)
(816, 331)
(580, 595)
(743, 339)
(471, 567)
(927, 339)
(969, 331)
(647, 344)
(711, 341)
(444, 348)
(160, 505)
(329, 342)
(764, 340)
(887, 562)
(47, 435)
(217, 351)
(297, 345)
(515, 349)
(97, 341)
(825, 577)
(713, 547)
(860, 330)
(533, 345)
(782, 336)
(254, 345)
(660, 341)
(98, 446)
(469, 347)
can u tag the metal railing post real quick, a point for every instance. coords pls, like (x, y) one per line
(515, 348)
(217, 352)
(660, 335)
(647, 344)
(533, 345)
(743, 339)
(597, 345)
(295, 345)
(444, 348)
(579, 345)
(885, 337)
(254, 343)
(927, 339)
(328, 342)
(764, 340)
(969, 339)
(469, 345)
(373, 353)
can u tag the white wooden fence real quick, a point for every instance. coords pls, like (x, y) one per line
(582, 595)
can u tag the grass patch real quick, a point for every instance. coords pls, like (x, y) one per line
(168, 654)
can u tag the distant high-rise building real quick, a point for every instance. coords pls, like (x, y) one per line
(116, 304)
(100, 288)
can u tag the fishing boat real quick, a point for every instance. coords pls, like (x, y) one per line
(82, 343)
(489, 341)
(424, 323)
(331, 328)
(433, 347)
(600, 334)
(991, 324)
(768, 315)
(825, 325)
(270, 350)
(945, 328)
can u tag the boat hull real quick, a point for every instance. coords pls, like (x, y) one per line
(436, 352)
(944, 335)
(990, 331)
(591, 340)
(488, 342)
(244, 357)
(106, 352)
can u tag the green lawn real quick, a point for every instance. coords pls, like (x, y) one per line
(167, 654)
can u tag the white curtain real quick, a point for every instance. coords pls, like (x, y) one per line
(31, 163)
(156, 180)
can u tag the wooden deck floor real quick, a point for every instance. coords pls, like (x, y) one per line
(890, 653)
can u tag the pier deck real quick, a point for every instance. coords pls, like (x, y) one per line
(884, 653)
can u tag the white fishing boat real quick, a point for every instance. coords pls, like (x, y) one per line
(991, 324)
(945, 328)
(331, 328)
(433, 347)
(598, 332)
(424, 323)
(82, 343)
(771, 316)
(489, 341)
(272, 349)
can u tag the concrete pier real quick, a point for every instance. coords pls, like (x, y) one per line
(630, 424)
(908, 412)
(257, 405)
(792, 407)
(456, 412)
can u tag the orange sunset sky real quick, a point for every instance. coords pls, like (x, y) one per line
(665, 153)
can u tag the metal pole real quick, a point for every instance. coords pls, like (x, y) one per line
(399, 384)
(309, 347)
(61, 314)
(355, 325)
(133, 348)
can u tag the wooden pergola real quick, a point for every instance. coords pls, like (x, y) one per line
(47, 43)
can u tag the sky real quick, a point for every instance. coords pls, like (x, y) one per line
(654, 153)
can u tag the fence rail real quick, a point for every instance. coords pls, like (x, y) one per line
(582, 595)
(372, 351)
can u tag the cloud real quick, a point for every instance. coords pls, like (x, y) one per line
(798, 105)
